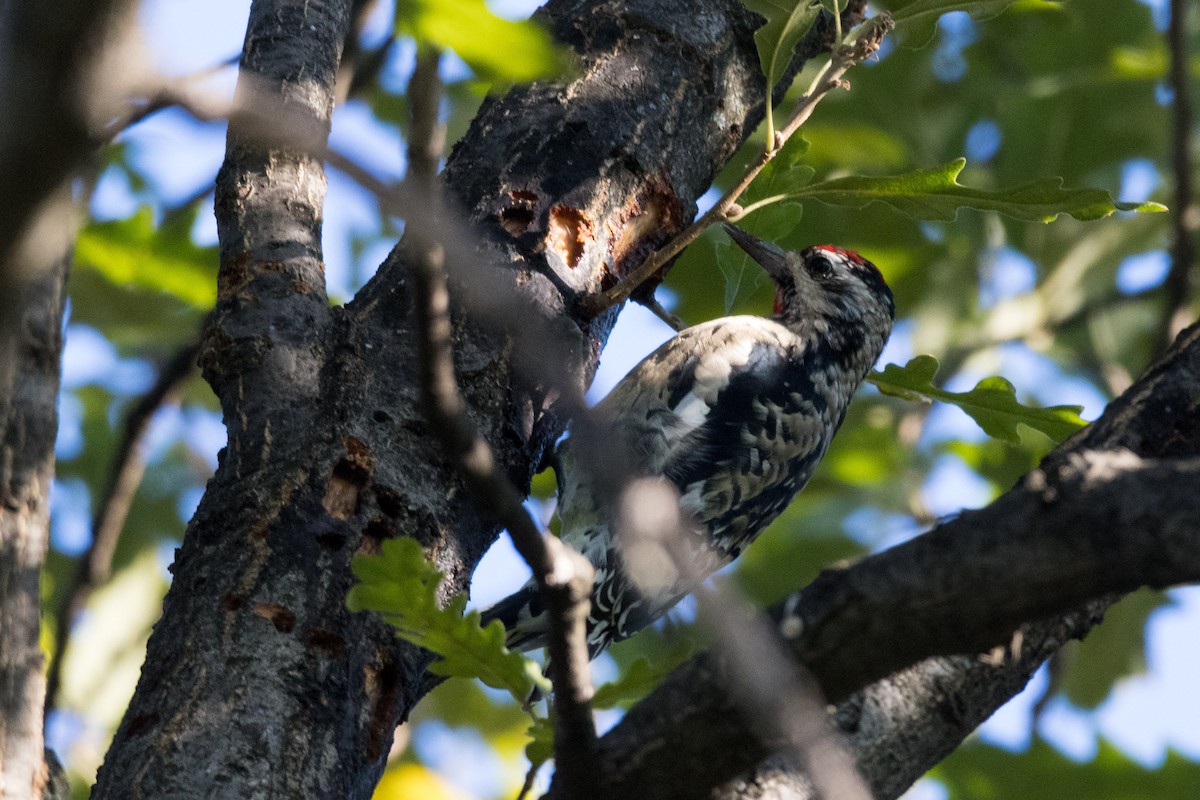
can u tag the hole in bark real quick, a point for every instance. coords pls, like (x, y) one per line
(330, 643)
(381, 689)
(569, 234)
(341, 497)
(283, 619)
(381, 416)
(516, 219)
(380, 528)
(356, 465)
(142, 724)
(332, 541)
(390, 501)
(648, 222)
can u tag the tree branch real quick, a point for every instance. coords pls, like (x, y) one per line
(1109, 511)
(255, 624)
(30, 354)
(899, 726)
(271, 282)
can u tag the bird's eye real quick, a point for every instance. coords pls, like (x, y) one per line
(820, 266)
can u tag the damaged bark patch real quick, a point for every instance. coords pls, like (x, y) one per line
(518, 216)
(233, 602)
(233, 277)
(350, 474)
(380, 528)
(382, 689)
(569, 233)
(279, 616)
(648, 222)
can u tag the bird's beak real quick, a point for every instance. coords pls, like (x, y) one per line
(768, 256)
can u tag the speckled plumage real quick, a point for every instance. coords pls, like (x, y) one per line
(736, 413)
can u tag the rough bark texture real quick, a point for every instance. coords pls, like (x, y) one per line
(1112, 509)
(257, 681)
(30, 352)
(899, 726)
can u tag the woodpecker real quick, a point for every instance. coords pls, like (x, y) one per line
(736, 413)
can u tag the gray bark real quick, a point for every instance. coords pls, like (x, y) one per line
(30, 353)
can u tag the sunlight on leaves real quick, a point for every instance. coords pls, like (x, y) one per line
(787, 22)
(992, 403)
(497, 49)
(133, 252)
(918, 10)
(415, 782)
(916, 20)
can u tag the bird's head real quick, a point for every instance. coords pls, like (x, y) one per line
(826, 294)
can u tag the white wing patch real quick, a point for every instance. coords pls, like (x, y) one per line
(691, 411)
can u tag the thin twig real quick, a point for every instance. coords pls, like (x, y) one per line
(128, 466)
(828, 79)
(652, 305)
(171, 93)
(564, 576)
(1186, 219)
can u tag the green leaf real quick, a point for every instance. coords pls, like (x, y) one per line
(132, 252)
(935, 194)
(787, 22)
(977, 771)
(783, 175)
(497, 49)
(1113, 650)
(402, 585)
(541, 745)
(992, 403)
(920, 10)
(640, 677)
(916, 21)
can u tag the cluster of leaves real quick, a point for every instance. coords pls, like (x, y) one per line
(403, 586)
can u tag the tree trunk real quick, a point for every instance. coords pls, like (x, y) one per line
(30, 354)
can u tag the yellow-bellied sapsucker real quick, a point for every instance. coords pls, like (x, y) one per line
(736, 413)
